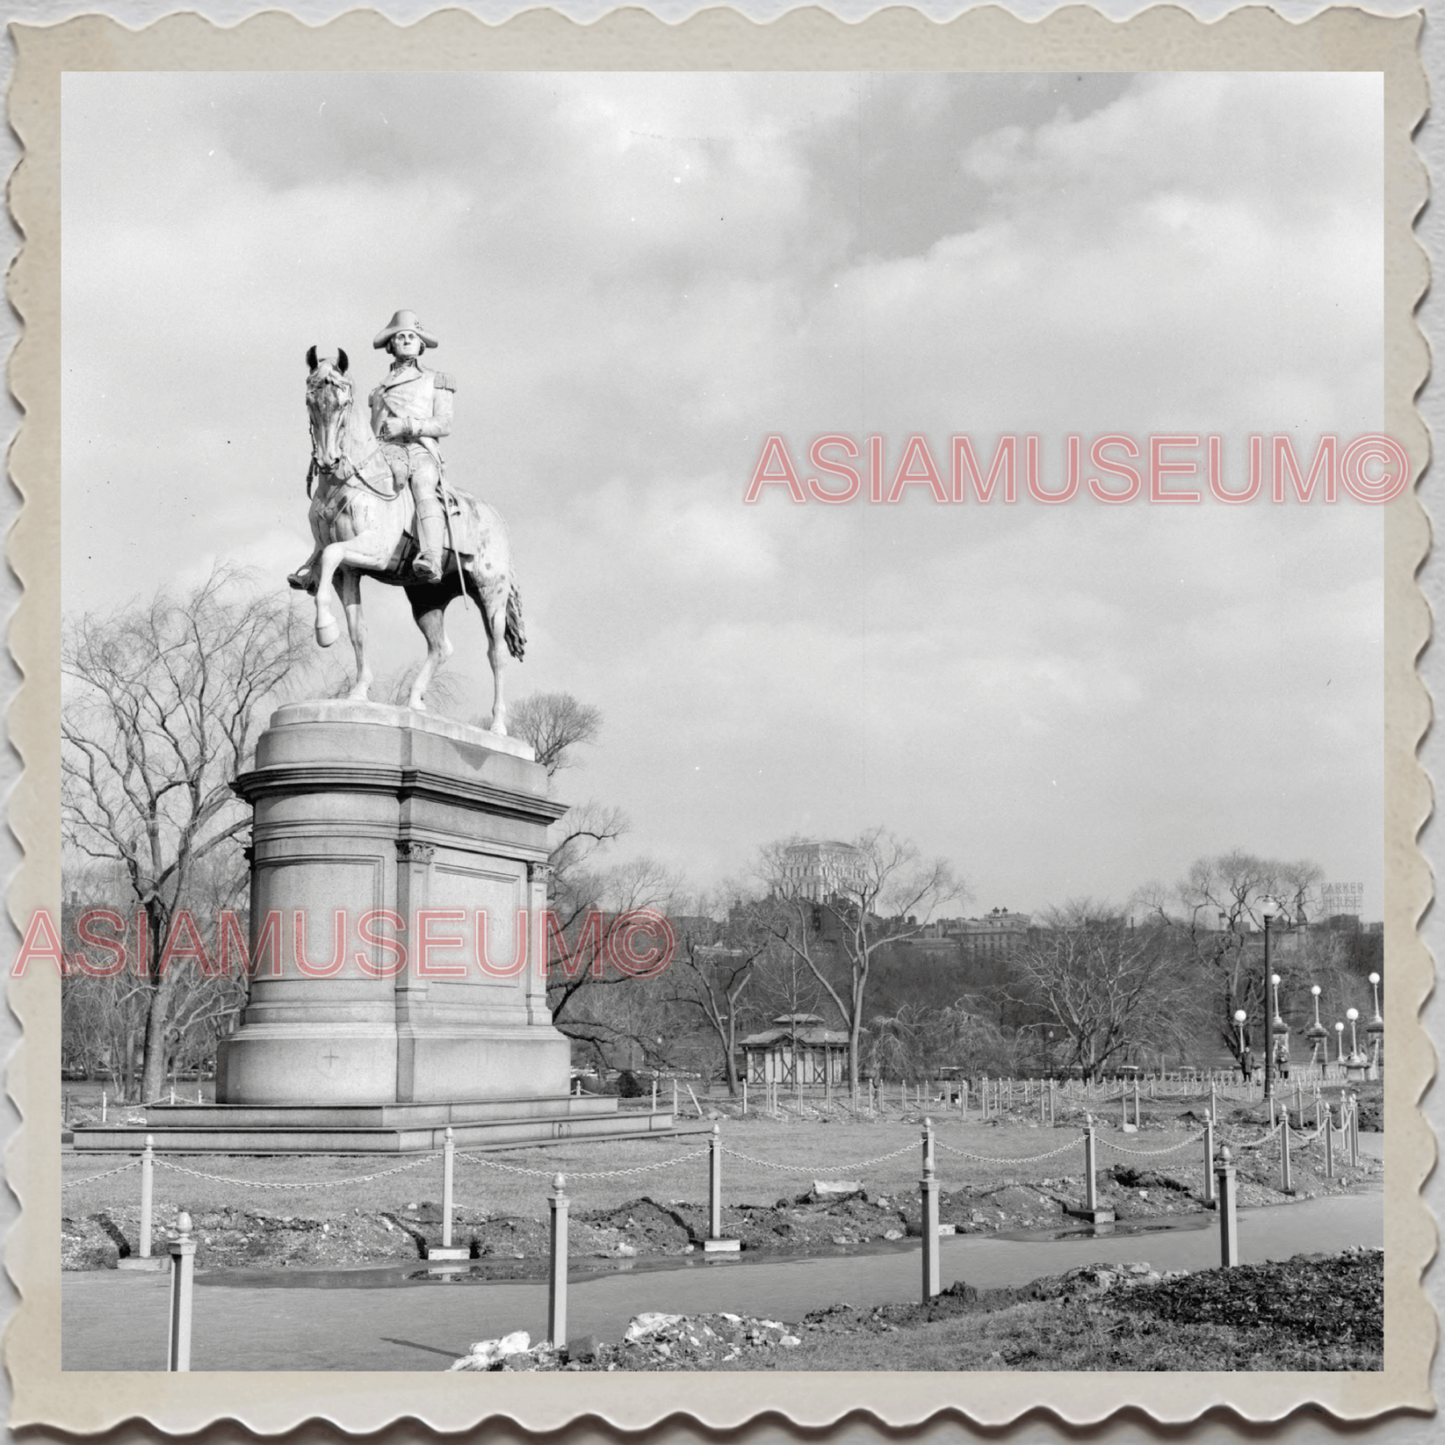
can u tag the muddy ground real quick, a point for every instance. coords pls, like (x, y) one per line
(513, 1246)
(1308, 1312)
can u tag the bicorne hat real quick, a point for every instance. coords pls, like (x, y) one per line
(403, 321)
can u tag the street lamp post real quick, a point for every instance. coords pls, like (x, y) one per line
(1239, 1018)
(1340, 1041)
(1352, 1014)
(1268, 908)
(1317, 1033)
(1375, 1028)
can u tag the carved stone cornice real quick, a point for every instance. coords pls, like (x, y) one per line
(413, 850)
(293, 779)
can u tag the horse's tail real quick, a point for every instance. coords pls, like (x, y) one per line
(516, 632)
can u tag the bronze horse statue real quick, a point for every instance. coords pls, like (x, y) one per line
(363, 526)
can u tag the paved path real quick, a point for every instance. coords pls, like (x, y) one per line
(116, 1321)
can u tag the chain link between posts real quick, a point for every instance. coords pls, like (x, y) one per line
(806, 1170)
(584, 1173)
(1152, 1153)
(1010, 1159)
(300, 1184)
(75, 1183)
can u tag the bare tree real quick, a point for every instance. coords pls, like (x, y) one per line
(163, 705)
(886, 891)
(1214, 915)
(717, 952)
(1109, 986)
(556, 724)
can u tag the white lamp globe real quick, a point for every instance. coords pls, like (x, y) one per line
(1274, 979)
(1240, 1016)
(1352, 1014)
(1374, 978)
(1315, 989)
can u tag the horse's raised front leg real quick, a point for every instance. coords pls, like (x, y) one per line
(429, 607)
(332, 556)
(348, 584)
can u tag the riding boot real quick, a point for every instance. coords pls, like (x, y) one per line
(430, 534)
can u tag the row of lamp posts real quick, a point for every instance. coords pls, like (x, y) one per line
(1317, 1033)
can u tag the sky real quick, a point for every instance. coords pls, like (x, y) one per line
(636, 279)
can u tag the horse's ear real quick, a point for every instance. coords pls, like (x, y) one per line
(341, 362)
(311, 358)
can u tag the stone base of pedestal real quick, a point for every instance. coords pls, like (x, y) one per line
(1093, 1216)
(721, 1246)
(437, 1252)
(380, 1128)
(151, 1262)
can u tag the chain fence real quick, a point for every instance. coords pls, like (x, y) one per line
(75, 1183)
(833, 1168)
(556, 1169)
(299, 1184)
(1153, 1153)
(1011, 1159)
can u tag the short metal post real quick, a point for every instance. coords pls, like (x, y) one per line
(1091, 1196)
(1136, 1100)
(1329, 1141)
(1208, 1160)
(557, 1265)
(183, 1263)
(963, 1096)
(928, 1193)
(1286, 1182)
(1053, 1102)
(983, 1095)
(1354, 1131)
(654, 1096)
(102, 1106)
(745, 1096)
(1228, 1223)
(448, 1162)
(714, 1172)
(147, 1179)
(1272, 1120)
(674, 1098)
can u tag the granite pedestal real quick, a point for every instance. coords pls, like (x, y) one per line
(397, 948)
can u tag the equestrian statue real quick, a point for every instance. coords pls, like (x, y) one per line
(381, 508)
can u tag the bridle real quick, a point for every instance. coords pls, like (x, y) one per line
(343, 470)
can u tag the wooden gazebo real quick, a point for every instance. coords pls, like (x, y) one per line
(797, 1050)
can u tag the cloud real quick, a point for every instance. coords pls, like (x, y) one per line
(636, 278)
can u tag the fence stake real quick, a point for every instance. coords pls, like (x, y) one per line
(1136, 1098)
(928, 1192)
(102, 1106)
(714, 1172)
(147, 1178)
(183, 1263)
(1354, 1131)
(983, 1095)
(654, 1096)
(1286, 1182)
(1091, 1197)
(1228, 1224)
(674, 1100)
(1329, 1141)
(448, 1162)
(557, 1265)
(963, 1096)
(745, 1096)
(1208, 1160)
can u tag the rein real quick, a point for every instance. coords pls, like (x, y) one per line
(339, 469)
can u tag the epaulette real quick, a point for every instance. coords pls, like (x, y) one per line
(445, 380)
